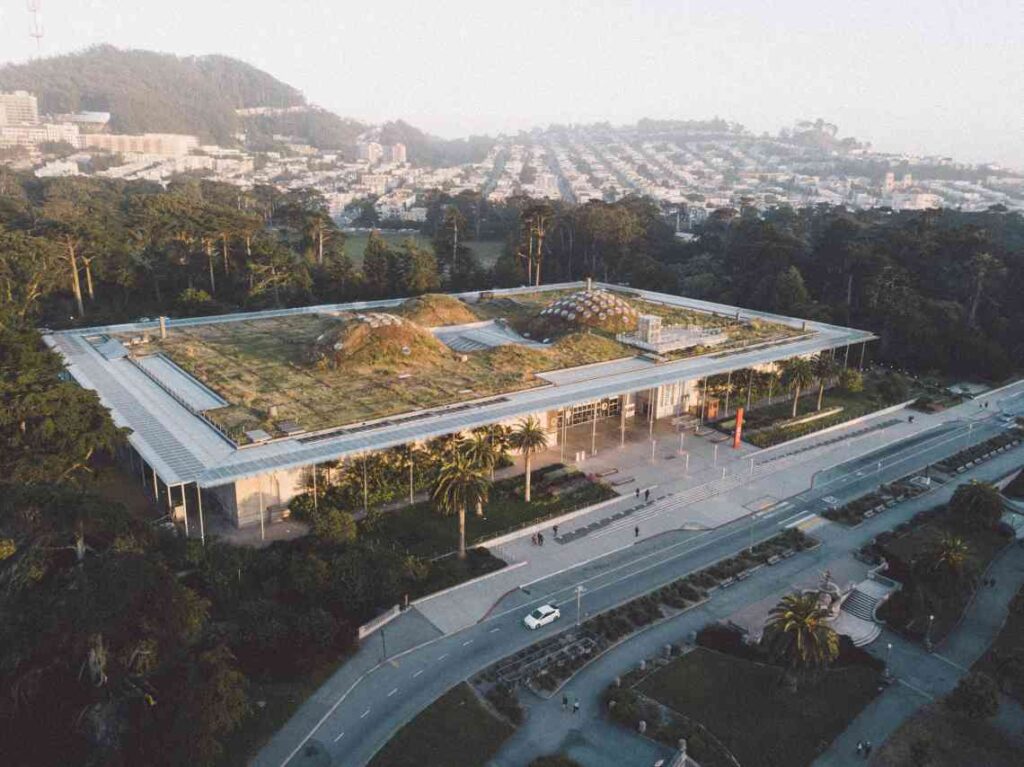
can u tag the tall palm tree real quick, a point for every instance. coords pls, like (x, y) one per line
(528, 438)
(826, 368)
(484, 454)
(797, 374)
(796, 633)
(460, 483)
(949, 558)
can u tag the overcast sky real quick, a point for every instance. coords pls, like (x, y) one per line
(932, 76)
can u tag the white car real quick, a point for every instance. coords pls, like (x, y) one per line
(542, 616)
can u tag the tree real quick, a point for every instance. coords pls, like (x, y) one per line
(377, 265)
(976, 696)
(797, 374)
(948, 558)
(851, 380)
(326, 521)
(415, 270)
(797, 635)
(484, 454)
(976, 505)
(826, 368)
(528, 438)
(460, 483)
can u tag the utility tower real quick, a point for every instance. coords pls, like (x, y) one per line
(35, 28)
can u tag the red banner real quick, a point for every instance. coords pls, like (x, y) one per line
(739, 428)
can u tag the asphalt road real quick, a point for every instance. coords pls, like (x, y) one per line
(364, 717)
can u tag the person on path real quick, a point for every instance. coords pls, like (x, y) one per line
(647, 495)
(554, 531)
(576, 706)
(867, 749)
(565, 702)
(860, 748)
(636, 531)
(540, 538)
(638, 492)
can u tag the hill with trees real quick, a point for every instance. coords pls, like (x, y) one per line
(145, 91)
(425, 149)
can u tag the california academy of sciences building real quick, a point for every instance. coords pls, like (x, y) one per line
(228, 414)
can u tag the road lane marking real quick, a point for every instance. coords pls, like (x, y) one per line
(443, 656)
(467, 642)
(340, 736)
(365, 713)
(417, 673)
(492, 631)
(392, 692)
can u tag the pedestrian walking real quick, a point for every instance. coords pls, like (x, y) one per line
(554, 531)
(867, 749)
(576, 706)
(647, 495)
(638, 492)
(540, 538)
(860, 748)
(636, 531)
(565, 702)
(533, 539)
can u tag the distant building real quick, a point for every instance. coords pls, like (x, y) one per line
(87, 122)
(375, 183)
(395, 153)
(163, 144)
(32, 135)
(371, 151)
(18, 108)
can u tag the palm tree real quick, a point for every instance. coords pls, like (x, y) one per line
(826, 368)
(797, 374)
(528, 438)
(796, 633)
(948, 560)
(484, 454)
(460, 483)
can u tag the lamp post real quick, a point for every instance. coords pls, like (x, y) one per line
(928, 634)
(888, 660)
(579, 598)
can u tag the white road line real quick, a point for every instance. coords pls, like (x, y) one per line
(365, 714)
(417, 673)
(443, 656)
(392, 692)
(340, 736)
(467, 642)
(916, 689)
(494, 631)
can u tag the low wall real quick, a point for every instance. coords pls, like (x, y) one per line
(381, 620)
(842, 425)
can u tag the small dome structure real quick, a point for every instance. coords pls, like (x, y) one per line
(592, 308)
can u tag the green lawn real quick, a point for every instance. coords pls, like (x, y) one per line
(761, 721)
(456, 730)
(486, 251)
(421, 530)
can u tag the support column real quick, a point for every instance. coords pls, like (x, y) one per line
(259, 488)
(728, 393)
(184, 506)
(652, 406)
(622, 420)
(156, 487)
(846, 356)
(750, 386)
(202, 524)
(593, 432)
(863, 346)
(703, 403)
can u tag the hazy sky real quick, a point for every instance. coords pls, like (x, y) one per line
(932, 76)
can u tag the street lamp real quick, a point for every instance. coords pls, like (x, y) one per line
(928, 633)
(888, 659)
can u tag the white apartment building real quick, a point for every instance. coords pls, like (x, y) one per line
(163, 144)
(18, 108)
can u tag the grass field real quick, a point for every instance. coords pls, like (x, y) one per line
(456, 730)
(760, 720)
(486, 251)
(421, 530)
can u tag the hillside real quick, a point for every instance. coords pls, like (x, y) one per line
(159, 92)
(424, 149)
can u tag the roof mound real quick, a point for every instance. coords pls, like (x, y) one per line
(435, 310)
(591, 309)
(376, 340)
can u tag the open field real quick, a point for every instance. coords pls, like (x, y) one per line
(760, 720)
(486, 251)
(456, 730)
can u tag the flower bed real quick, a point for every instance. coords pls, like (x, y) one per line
(866, 506)
(960, 462)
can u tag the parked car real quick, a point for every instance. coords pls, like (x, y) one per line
(542, 616)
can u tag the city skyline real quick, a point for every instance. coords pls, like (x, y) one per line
(934, 80)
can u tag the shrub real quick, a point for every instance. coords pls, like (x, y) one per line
(977, 506)
(976, 696)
